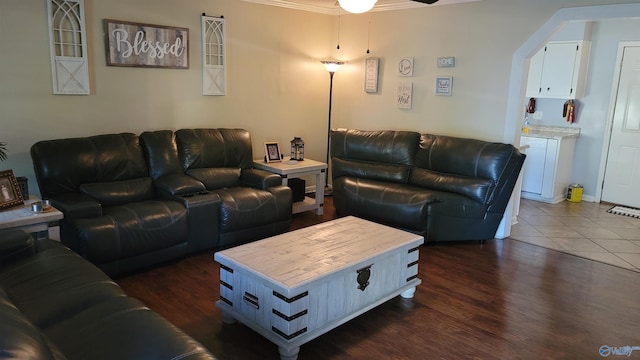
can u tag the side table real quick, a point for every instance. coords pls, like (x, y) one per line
(22, 218)
(297, 169)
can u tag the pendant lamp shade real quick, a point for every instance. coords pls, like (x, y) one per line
(357, 6)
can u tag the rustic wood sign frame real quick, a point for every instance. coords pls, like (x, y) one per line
(145, 45)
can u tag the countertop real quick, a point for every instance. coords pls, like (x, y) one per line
(552, 132)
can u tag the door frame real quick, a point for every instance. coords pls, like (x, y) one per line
(610, 114)
(519, 71)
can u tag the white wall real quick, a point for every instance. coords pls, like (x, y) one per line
(273, 59)
(277, 88)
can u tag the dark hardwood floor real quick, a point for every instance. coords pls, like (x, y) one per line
(503, 299)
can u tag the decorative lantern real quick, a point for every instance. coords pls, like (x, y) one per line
(297, 149)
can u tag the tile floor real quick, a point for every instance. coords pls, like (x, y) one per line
(584, 229)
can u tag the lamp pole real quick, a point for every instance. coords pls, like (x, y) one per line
(332, 66)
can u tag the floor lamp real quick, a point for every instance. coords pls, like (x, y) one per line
(332, 66)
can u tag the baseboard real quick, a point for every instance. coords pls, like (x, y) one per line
(556, 200)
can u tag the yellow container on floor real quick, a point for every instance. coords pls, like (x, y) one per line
(574, 193)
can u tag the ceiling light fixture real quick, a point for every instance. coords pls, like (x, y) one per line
(357, 6)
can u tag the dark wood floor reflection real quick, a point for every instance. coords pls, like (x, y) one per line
(503, 299)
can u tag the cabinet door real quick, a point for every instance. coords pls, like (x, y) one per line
(558, 69)
(535, 74)
(534, 165)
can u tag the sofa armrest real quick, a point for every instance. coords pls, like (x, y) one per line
(259, 179)
(178, 184)
(76, 206)
(14, 245)
(284, 201)
(204, 215)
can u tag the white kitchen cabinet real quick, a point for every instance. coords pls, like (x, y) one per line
(559, 70)
(533, 169)
(547, 168)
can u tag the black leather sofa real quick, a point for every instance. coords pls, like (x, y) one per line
(56, 305)
(444, 188)
(133, 201)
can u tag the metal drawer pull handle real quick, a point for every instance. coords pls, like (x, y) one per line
(252, 300)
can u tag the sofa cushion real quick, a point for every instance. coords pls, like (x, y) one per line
(161, 151)
(131, 230)
(370, 170)
(122, 328)
(61, 166)
(15, 245)
(211, 148)
(394, 204)
(217, 178)
(381, 146)
(461, 156)
(120, 192)
(477, 189)
(55, 284)
(19, 338)
(243, 208)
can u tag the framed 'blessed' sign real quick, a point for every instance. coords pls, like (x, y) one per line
(145, 45)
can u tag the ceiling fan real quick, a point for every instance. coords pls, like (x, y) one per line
(361, 6)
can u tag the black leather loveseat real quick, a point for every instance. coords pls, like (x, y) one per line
(56, 305)
(133, 201)
(442, 187)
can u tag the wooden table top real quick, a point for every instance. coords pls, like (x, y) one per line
(23, 216)
(302, 256)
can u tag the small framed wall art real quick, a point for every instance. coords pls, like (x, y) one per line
(443, 85)
(405, 94)
(272, 152)
(371, 74)
(10, 194)
(405, 67)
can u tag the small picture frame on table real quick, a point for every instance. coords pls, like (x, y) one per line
(272, 152)
(10, 194)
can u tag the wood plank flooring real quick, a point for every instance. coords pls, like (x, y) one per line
(503, 299)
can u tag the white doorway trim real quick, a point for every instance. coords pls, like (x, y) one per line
(520, 63)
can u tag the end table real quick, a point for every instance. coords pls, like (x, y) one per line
(22, 218)
(297, 169)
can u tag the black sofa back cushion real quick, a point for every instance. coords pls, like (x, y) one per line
(162, 153)
(370, 170)
(120, 192)
(217, 178)
(465, 157)
(214, 148)
(62, 165)
(382, 146)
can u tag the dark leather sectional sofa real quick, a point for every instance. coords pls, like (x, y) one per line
(444, 188)
(132, 201)
(56, 305)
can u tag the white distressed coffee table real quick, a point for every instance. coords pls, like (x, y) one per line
(296, 286)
